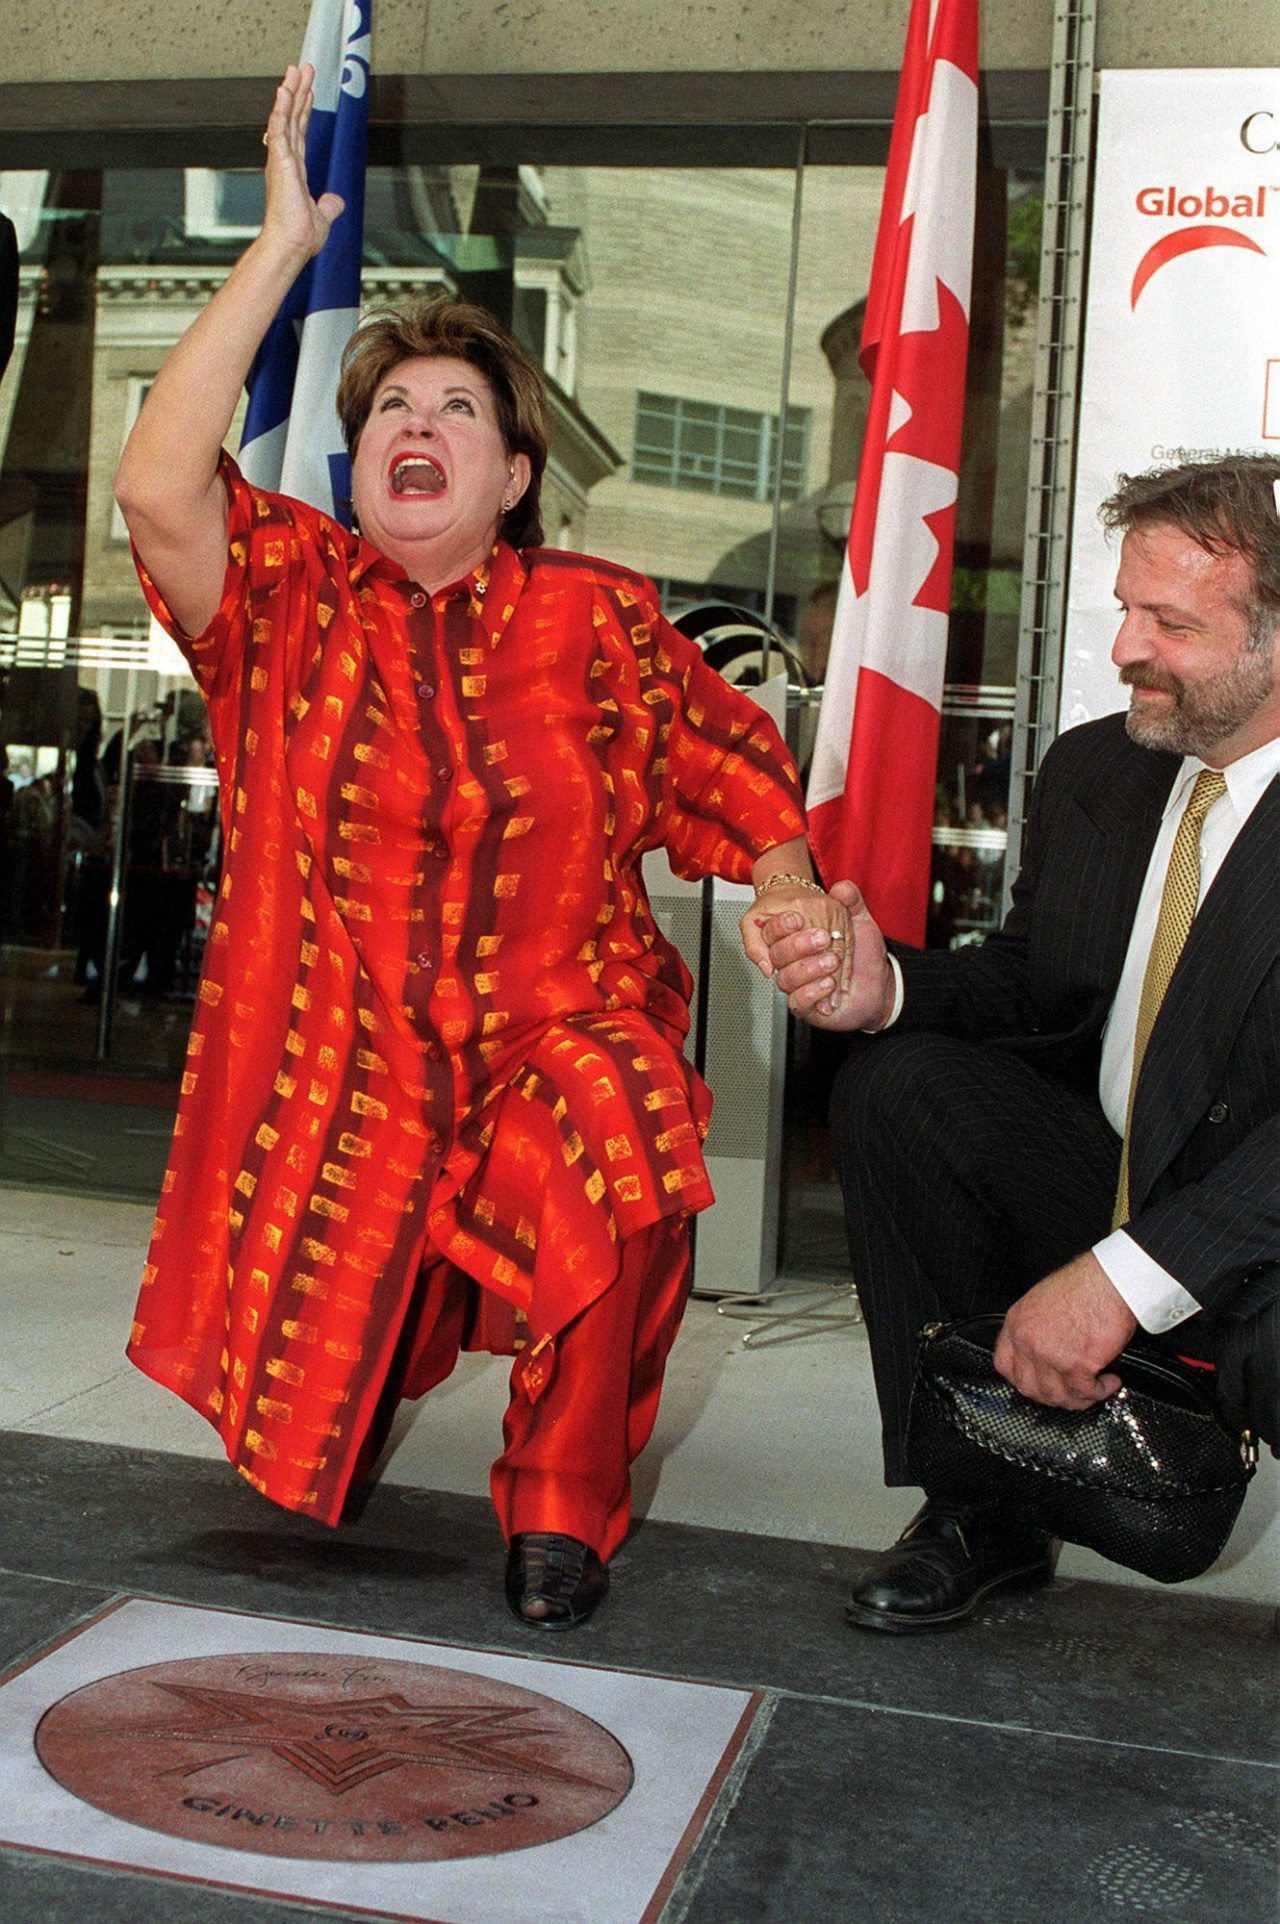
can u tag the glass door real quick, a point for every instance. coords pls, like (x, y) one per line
(659, 299)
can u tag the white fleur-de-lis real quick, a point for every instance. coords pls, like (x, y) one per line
(355, 66)
(358, 51)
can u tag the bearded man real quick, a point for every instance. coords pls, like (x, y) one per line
(1078, 1122)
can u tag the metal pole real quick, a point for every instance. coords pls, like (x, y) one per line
(788, 336)
(115, 903)
(1053, 406)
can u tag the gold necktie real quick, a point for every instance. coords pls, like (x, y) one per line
(1173, 925)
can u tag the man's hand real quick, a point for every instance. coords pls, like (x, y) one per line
(858, 995)
(1058, 1339)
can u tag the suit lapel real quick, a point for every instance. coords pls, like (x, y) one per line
(1234, 941)
(1126, 811)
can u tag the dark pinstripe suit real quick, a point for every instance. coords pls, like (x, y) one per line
(973, 1165)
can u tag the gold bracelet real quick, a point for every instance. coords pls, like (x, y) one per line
(795, 881)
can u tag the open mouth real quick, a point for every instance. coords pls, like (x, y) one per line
(417, 474)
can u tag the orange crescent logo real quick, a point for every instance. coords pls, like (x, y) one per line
(1186, 241)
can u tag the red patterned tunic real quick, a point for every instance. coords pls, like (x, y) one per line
(436, 1014)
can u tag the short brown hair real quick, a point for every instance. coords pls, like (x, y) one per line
(1229, 506)
(434, 325)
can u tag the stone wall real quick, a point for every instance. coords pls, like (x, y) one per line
(69, 40)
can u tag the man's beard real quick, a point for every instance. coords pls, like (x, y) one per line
(1203, 713)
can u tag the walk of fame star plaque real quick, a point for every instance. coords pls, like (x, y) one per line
(396, 1778)
(310, 1755)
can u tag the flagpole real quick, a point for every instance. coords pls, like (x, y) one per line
(788, 338)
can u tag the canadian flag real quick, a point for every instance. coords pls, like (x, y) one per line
(871, 787)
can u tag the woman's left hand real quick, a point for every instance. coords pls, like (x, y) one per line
(785, 910)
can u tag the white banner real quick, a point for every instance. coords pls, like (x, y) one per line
(1182, 319)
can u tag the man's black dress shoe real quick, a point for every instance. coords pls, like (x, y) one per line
(553, 1582)
(945, 1562)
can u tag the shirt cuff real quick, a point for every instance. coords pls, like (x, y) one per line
(898, 994)
(1156, 1298)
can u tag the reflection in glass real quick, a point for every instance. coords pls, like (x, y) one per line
(657, 302)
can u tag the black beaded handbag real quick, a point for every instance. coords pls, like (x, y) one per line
(1151, 1478)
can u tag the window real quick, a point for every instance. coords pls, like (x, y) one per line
(137, 392)
(637, 287)
(529, 319)
(225, 204)
(718, 450)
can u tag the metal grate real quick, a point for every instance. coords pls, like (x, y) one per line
(1053, 405)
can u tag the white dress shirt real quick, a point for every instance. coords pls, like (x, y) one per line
(1157, 1300)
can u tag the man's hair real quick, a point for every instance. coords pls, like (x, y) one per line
(1228, 506)
(435, 326)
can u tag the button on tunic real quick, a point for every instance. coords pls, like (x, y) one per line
(436, 1016)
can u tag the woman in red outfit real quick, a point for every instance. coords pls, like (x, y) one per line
(435, 1092)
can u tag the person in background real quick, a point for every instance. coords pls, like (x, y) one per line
(435, 1095)
(1078, 1122)
(89, 841)
(7, 792)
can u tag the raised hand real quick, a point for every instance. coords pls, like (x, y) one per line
(293, 218)
(168, 486)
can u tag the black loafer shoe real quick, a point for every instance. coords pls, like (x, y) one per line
(553, 1582)
(942, 1566)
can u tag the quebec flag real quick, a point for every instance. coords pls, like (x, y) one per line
(291, 442)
